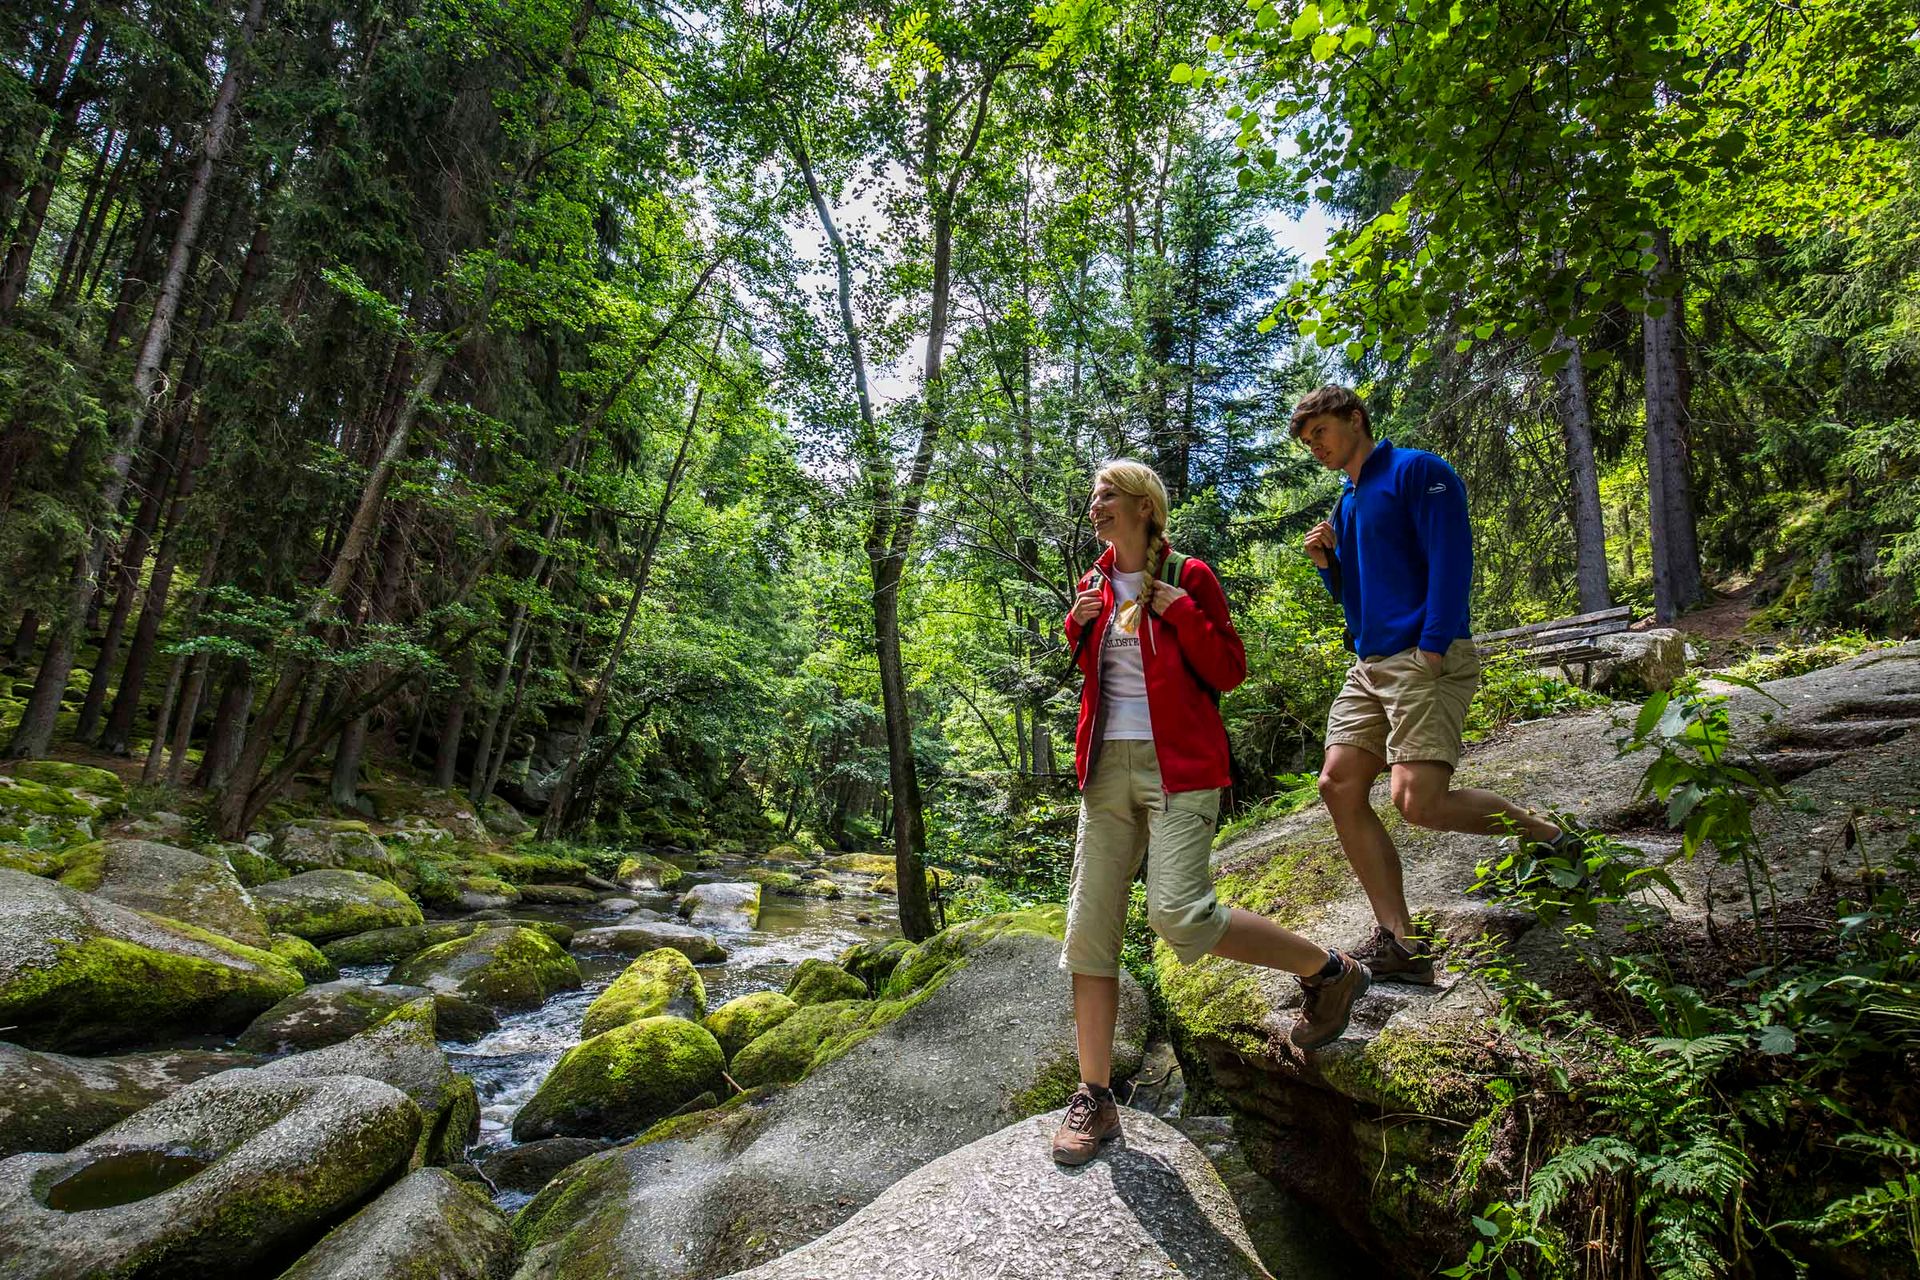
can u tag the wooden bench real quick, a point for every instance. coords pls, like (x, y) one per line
(1564, 642)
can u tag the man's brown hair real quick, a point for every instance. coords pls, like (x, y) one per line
(1330, 399)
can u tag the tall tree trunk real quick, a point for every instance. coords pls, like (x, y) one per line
(499, 761)
(15, 269)
(1676, 548)
(133, 555)
(86, 224)
(229, 731)
(446, 755)
(1589, 522)
(35, 733)
(190, 702)
(553, 823)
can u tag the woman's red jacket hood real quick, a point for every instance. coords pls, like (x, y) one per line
(1193, 640)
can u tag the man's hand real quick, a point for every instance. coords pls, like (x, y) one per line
(1164, 594)
(1086, 605)
(1434, 660)
(1321, 543)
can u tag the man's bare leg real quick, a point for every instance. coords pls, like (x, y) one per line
(1346, 781)
(1096, 1007)
(1425, 796)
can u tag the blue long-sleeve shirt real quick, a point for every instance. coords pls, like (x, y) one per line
(1404, 568)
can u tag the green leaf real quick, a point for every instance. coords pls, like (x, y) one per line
(1356, 352)
(1650, 714)
(1485, 1228)
(1776, 1040)
(1323, 46)
(1267, 19)
(1308, 23)
(1181, 73)
(1358, 36)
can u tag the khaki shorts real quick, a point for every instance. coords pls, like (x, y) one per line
(1401, 709)
(1124, 815)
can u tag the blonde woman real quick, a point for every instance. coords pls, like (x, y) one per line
(1152, 637)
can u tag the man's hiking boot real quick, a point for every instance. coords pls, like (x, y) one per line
(1390, 960)
(1090, 1121)
(1329, 1003)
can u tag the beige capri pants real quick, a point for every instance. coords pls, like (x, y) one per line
(1124, 815)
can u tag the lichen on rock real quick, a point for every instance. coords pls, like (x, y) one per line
(323, 905)
(742, 1020)
(507, 968)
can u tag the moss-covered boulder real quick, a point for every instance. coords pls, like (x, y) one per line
(771, 880)
(304, 956)
(624, 1080)
(644, 871)
(323, 1014)
(744, 1019)
(866, 864)
(724, 906)
(395, 801)
(718, 1193)
(31, 861)
(634, 937)
(814, 887)
(250, 865)
(238, 1171)
(787, 1052)
(508, 968)
(51, 1102)
(819, 982)
(321, 844)
(659, 983)
(390, 946)
(502, 818)
(79, 972)
(874, 962)
(888, 881)
(400, 1050)
(784, 853)
(96, 787)
(484, 893)
(428, 1226)
(167, 882)
(558, 895)
(323, 905)
(35, 816)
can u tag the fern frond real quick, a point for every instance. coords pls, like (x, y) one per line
(1576, 1167)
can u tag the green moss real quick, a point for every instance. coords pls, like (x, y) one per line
(84, 867)
(250, 866)
(644, 871)
(1055, 1084)
(104, 991)
(323, 905)
(77, 777)
(788, 1051)
(581, 1210)
(874, 962)
(1430, 1070)
(785, 853)
(35, 862)
(388, 946)
(778, 881)
(624, 1080)
(488, 886)
(741, 1021)
(1215, 1000)
(506, 968)
(1285, 879)
(658, 983)
(931, 961)
(304, 956)
(43, 817)
(866, 864)
(695, 1122)
(817, 982)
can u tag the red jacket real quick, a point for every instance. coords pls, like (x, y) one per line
(1194, 636)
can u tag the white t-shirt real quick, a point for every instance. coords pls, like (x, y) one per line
(1123, 675)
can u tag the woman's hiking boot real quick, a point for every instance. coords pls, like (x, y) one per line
(1090, 1121)
(1390, 960)
(1328, 1003)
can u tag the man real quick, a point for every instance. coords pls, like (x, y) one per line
(1398, 556)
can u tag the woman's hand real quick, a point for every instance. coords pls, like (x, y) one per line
(1164, 594)
(1086, 605)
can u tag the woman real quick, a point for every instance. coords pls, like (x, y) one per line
(1151, 758)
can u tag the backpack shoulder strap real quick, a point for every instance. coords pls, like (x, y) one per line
(1172, 567)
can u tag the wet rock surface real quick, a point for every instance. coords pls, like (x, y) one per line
(323, 905)
(507, 968)
(631, 937)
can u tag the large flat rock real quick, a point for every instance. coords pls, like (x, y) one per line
(1149, 1207)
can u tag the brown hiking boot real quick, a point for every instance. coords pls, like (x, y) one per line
(1390, 960)
(1328, 1004)
(1090, 1121)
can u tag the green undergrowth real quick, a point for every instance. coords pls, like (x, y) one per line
(1798, 660)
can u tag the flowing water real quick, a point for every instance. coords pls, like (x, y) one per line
(508, 1064)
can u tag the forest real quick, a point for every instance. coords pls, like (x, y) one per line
(667, 433)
